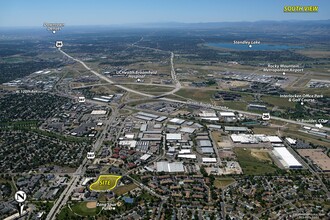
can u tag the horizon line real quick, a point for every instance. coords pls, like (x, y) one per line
(166, 22)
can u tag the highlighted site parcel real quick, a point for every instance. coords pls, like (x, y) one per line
(105, 183)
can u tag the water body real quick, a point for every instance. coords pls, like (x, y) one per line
(255, 47)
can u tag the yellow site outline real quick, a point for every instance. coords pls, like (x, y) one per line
(104, 177)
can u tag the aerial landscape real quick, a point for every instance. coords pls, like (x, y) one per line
(153, 110)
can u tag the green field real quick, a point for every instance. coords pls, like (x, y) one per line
(236, 105)
(81, 209)
(197, 94)
(77, 211)
(124, 189)
(221, 183)
(265, 130)
(66, 214)
(277, 101)
(252, 165)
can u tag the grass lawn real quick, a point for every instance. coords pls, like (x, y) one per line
(66, 214)
(80, 208)
(236, 105)
(252, 165)
(120, 190)
(277, 101)
(265, 130)
(199, 95)
(221, 183)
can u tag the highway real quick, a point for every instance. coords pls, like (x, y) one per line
(174, 78)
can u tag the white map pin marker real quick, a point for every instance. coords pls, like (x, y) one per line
(20, 197)
(54, 32)
(250, 45)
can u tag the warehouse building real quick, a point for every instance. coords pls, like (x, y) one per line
(227, 114)
(176, 121)
(209, 160)
(286, 158)
(164, 166)
(236, 129)
(173, 136)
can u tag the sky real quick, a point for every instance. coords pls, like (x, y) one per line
(116, 12)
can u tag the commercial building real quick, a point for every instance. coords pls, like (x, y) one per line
(227, 114)
(286, 158)
(187, 156)
(173, 136)
(290, 141)
(187, 130)
(208, 114)
(236, 129)
(177, 121)
(98, 112)
(274, 139)
(164, 166)
(130, 143)
(101, 99)
(205, 143)
(209, 160)
(255, 139)
(161, 119)
(207, 150)
(145, 157)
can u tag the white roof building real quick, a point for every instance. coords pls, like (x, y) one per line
(129, 136)
(210, 118)
(164, 166)
(177, 121)
(227, 114)
(101, 99)
(286, 158)
(291, 141)
(143, 127)
(254, 139)
(185, 151)
(187, 156)
(173, 136)
(207, 114)
(130, 143)
(187, 130)
(145, 157)
(274, 139)
(107, 97)
(99, 112)
(209, 160)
